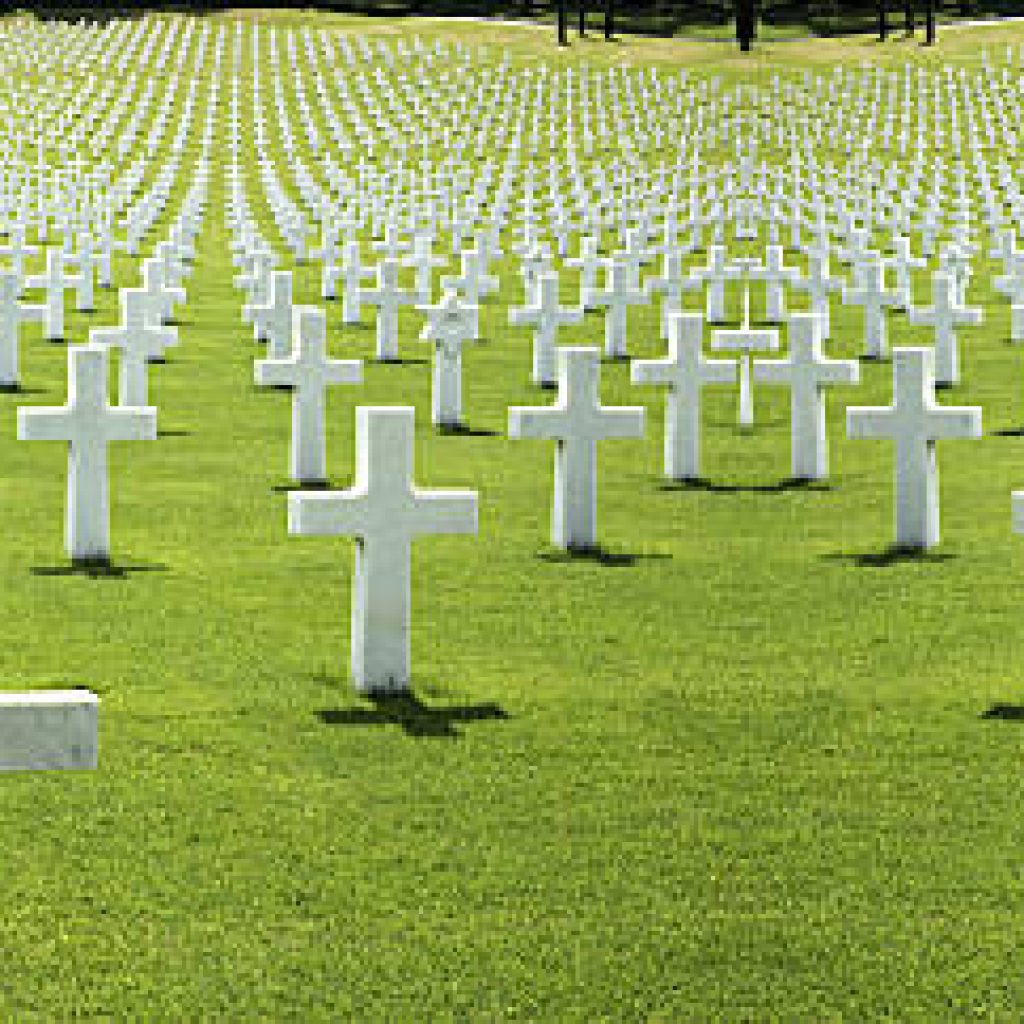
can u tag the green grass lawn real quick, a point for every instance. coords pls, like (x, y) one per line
(744, 771)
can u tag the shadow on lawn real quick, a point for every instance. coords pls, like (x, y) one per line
(600, 556)
(1005, 712)
(465, 430)
(777, 487)
(895, 554)
(415, 717)
(95, 569)
(309, 485)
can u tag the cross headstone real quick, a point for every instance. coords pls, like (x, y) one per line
(384, 511)
(308, 372)
(139, 342)
(807, 373)
(449, 327)
(577, 422)
(273, 321)
(54, 281)
(945, 315)
(714, 276)
(914, 422)
(776, 275)
(616, 298)
(12, 315)
(90, 424)
(546, 316)
(744, 340)
(686, 372)
(871, 293)
(388, 298)
(353, 273)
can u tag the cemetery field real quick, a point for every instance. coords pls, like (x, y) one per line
(745, 761)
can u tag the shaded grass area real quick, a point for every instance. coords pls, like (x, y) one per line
(744, 761)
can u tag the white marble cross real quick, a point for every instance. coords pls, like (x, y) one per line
(160, 297)
(577, 422)
(914, 422)
(871, 293)
(546, 316)
(353, 273)
(54, 281)
(945, 315)
(139, 342)
(685, 372)
(90, 424)
(903, 262)
(616, 298)
(473, 281)
(744, 340)
(713, 276)
(450, 325)
(12, 315)
(384, 511)
(776, 275)
(388, 298)
(819, 284)
(588, 263)
(423, 262)
(18, 249)
(85, 261)
(807, 373)
(273, 322)
(308, 372)
(670, 285)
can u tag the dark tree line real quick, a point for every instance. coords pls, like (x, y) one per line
(746, 20)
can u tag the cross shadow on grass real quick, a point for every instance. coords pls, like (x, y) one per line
(894, 554)
(402, 362)
(599, 556)
(1005, 712)
(96, 569)
(413, 716)
(775, 487)
(309, 485)
(465, 430)
(1008, 432)
(173, 433)
(20, 389)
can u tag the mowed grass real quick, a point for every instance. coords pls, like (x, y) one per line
(744, 768)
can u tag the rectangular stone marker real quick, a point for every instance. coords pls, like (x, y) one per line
(47, 730)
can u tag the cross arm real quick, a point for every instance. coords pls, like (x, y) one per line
(328, 514)
(623, 422)
(271, 372)
(448, 511)
(137, 423)
(542, 424)
(956, 421)
(343, 371)
(43, 423)
(865, 422)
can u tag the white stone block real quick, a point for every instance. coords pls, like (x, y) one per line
(48, 729)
